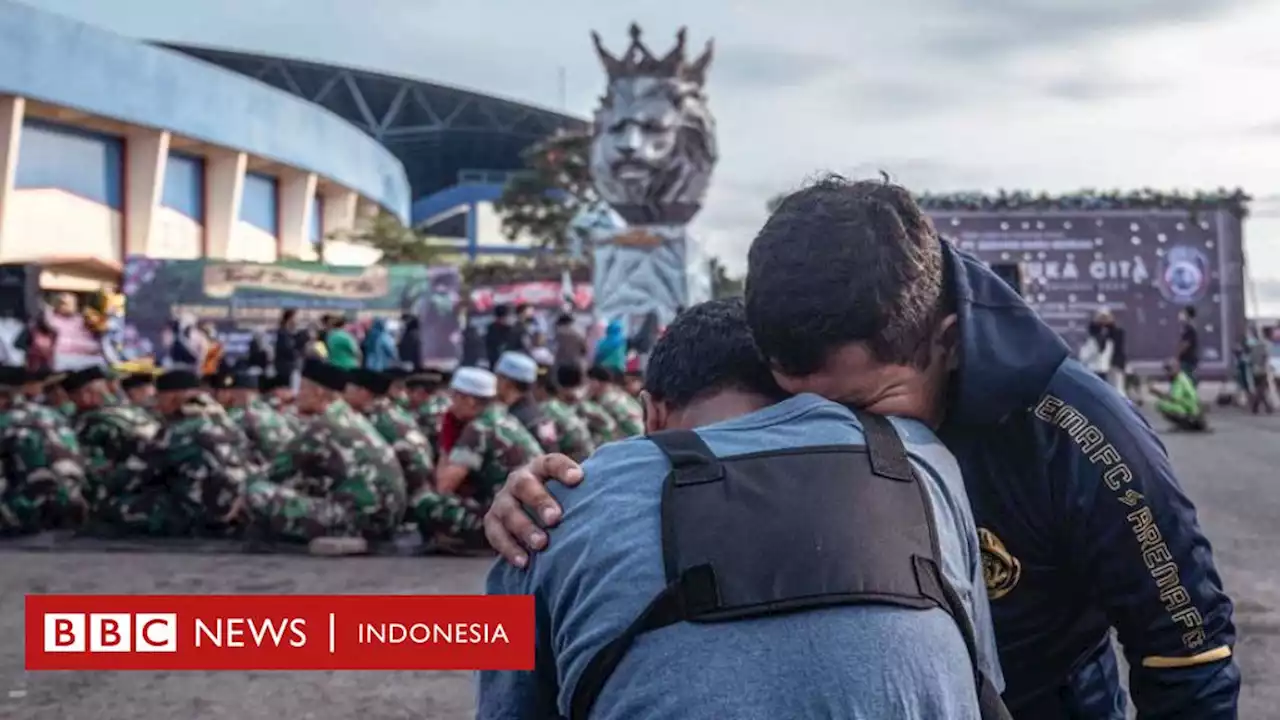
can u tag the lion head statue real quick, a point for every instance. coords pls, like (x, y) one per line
(653, 146)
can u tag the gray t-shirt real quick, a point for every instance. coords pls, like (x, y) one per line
(604, 565)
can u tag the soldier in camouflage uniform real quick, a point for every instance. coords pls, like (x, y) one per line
(36, 390)
(398, 391)
(603, 388)
(114, 438)
(428, 403)
(41, 469)
(269, 432)
(367, 393)
(481, 443)
(339, 478)
(56, 398)
(575, 437)
(197, 467)
(517, 374)
(571, 391)
(140, 390)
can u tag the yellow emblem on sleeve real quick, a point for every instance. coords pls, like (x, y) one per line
(1000, 570)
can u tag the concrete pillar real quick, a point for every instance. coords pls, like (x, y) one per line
(297, 192)
(12, 110)
(146, 160)
(339, 211)
(224, 186)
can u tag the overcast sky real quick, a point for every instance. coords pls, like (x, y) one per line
(943, 94)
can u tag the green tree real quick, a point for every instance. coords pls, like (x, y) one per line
(723, 285)
(399, 244)
(543, 200)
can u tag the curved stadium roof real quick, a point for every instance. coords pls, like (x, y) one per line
(436, 131)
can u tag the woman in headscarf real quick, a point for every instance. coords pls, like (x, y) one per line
(611, 351)
(379, 348)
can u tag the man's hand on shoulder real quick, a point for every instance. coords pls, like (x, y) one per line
(508, 527)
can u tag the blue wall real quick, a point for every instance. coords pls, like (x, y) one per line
(59, 61)
(259, 204)
(184, 185)
(83, 164)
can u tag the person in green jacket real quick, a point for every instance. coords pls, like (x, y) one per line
(344, 351)
(1181, 405)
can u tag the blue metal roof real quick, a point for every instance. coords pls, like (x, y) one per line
(436, 131)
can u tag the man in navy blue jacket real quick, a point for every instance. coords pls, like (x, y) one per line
(851, 295)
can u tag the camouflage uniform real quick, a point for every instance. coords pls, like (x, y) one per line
(197, 469)
(114, 440)
(339, 477)
(490, 446)
(269, 431)
(398, 428)
(431, 413)
(574, 436)
(624, 409)
(41, 470)
(600, 423)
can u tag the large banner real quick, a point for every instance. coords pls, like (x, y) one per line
(241, 298)
(1144, 266)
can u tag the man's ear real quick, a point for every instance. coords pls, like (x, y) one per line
(947, 341)
(655, 413)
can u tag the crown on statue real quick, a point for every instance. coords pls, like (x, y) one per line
(639, 61)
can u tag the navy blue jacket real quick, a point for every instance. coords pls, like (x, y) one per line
(1082, 524)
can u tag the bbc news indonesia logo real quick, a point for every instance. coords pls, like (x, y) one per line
(279, 632)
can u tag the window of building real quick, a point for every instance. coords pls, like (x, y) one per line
(184, 185)
(315, 226)
(259, 204)
(79, 162)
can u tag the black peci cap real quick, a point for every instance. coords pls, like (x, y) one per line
(137, 380)
(371, 380)
(325, 375)
(273, 382)
(568, 376)
(12, 377)
(78, 379)
(175, 380)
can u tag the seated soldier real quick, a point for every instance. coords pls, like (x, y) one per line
(338, 478)
(428, 403)
(197, 467)
(114, 438)
(571, 390)
(140, 389)
(832, 572)
(269, 431)
(574, 436)
(367, 393)
(517, 373)
(480, 442)
(41, 469)
(397, 390)
(604, 389)
(1181, 404)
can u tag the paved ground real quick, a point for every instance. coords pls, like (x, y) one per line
(1233, 474)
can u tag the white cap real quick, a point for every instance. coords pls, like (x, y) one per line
(475, 382)
(517, 366)
(543, 356)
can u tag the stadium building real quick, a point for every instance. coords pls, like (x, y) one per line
(110, 147)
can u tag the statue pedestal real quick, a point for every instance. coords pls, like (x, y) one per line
(651, 268)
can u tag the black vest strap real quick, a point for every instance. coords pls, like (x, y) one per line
(692, 556)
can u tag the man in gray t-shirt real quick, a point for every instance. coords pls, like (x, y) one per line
(604, 565)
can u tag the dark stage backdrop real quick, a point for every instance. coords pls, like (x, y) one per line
(1143, 265)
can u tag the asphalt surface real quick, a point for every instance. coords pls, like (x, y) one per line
(1233, 474)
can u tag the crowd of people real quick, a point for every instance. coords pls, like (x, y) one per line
(338, 446)
(1104, 353)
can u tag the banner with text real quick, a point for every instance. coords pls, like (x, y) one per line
(240, 298)
(279, 632)
(1144, 266)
